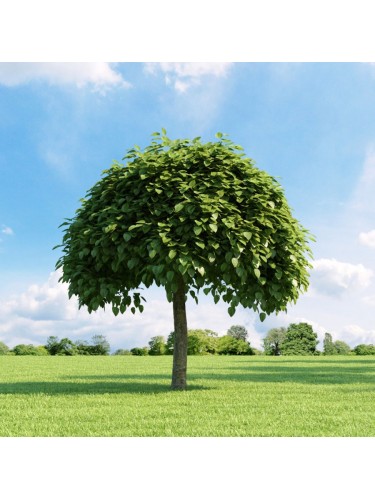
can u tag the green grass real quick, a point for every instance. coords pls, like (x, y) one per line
(227, 396)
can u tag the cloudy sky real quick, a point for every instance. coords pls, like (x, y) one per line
(311, 125)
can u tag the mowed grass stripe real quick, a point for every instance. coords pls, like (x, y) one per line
(227, 396)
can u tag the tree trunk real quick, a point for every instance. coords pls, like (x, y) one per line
(180, 338)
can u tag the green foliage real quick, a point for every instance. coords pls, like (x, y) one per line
(4, 349)
(29, 350)
(332, 348)
(52, 345)
(157, 346)
(66, 347)
(328, 346)
(199, 342)
(273, 340)
(341, 347)
(181, 207)
(139, 351)
(169, 344)
(100, 345)
(239, 332)
(63, 347)
(364, 350)
(231, 345)
(122, 352)
(299, 339)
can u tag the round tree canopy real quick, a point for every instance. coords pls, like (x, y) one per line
(183, 209)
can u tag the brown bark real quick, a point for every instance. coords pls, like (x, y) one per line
(180, 338)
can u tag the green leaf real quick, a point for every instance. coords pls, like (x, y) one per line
(197, 230)
(200, 244)
(201, 270)
(127, 236)
(262, 316)
(231, 310)
(152, 253)
(170, 275)
(257, 273)
(218, 135)
(213, 227)
(178, 207)
(235, 262)
(247, 235)
(172, 254)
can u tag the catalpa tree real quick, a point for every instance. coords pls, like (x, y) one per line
(187, 216)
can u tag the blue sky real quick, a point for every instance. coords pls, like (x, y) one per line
(311, 125)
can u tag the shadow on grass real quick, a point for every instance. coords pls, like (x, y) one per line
(287, 370)
(102, 385)
(244, 370)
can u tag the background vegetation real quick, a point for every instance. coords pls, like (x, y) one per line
(298, 339)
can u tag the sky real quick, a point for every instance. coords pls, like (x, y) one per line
(311, 125)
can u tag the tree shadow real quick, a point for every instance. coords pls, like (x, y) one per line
(102, 384)
(326, 372)
(249, 370)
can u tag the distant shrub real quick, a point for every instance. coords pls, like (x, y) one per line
(341, 347)
(365, 350)
(29, 350)
(157, 346)
(4, 349)
(230, 345)
(122, 352)
(139, 351)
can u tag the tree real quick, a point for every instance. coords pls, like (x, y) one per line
(273, 340)
(188, 216)
(300, 339)
(4, 349)
(341, 347)
(201, 341)
(29, 350)
(364, 350)
(63, 347)
(100, 345)
(157, 346)
(198, 342)
(52, 345)
(238, 332)
(227, 344)
(139, 351)
(328, 345)
(122, 352)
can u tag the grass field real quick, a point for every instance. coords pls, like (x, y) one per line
(227, 396)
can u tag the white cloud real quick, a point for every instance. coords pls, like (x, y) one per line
(333, 277)
(354, 335)
(7, 230)
(44, 309)
(182, 76)
(99, 75)
(369, 300)
(368, 239)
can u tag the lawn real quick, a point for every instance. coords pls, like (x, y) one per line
(227, 396)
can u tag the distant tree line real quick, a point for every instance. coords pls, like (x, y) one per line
(200, 342)
(64, 347)
(300, 339)
(296, 339)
